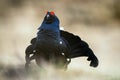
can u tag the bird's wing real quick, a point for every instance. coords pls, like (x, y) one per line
(78, 47)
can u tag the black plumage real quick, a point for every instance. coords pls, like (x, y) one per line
(57, 46)
(78, 48)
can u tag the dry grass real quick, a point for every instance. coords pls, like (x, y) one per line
(104, 43)
(19, 24)
(50, 73)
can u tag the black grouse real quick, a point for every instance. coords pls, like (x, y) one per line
(57, 46)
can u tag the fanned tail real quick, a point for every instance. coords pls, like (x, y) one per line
(79, 48)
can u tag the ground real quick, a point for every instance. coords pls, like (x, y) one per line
(93, 21)
(104, 42)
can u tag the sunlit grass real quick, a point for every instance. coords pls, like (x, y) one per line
(18, 25)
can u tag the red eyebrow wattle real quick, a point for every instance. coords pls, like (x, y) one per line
(52, 13)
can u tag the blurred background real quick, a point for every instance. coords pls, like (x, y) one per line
(95, 21)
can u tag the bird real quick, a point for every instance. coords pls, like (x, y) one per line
(57, 46)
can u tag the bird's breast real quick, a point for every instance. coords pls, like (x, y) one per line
(47, 43)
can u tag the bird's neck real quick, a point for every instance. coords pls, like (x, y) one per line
(53, 26)
(49, 30)
(46, 33)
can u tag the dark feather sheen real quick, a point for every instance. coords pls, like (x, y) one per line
(78, 48)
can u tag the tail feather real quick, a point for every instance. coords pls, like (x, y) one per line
(79, 48)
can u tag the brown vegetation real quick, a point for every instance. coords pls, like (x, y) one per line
(95, 21)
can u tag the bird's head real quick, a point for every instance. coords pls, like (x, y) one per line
(50, 22)
(50, 17)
